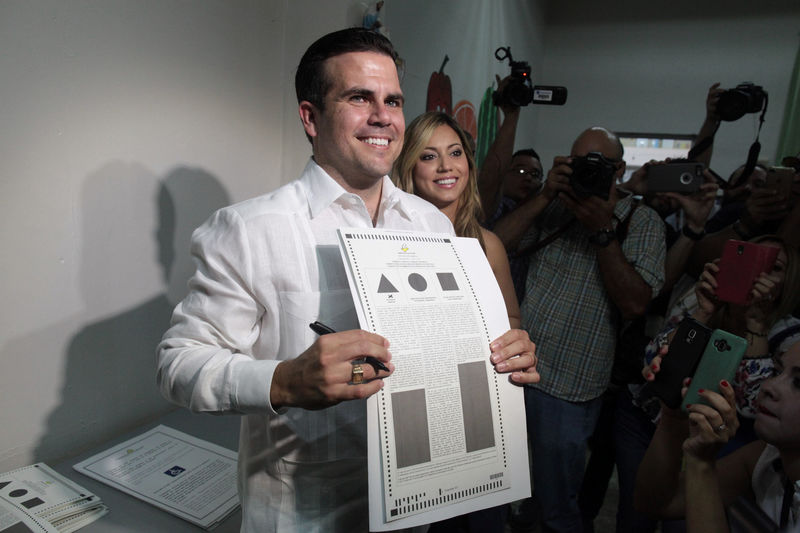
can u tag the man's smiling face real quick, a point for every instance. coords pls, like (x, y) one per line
(359, 133)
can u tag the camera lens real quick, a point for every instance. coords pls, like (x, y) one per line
(722, 345)
(686, 178)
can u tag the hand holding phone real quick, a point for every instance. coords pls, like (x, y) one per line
(780, 180)
(719, 362)
(680, 362)
(741, 264)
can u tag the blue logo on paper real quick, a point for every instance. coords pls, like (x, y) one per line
(175, 471)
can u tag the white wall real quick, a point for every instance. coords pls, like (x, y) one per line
(647, 67)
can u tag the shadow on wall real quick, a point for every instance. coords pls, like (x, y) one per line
(109, 379)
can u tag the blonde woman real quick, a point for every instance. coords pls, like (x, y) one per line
(437, 164)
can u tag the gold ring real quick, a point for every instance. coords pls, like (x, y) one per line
(358, 374)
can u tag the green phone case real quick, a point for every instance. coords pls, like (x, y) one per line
(720, 359)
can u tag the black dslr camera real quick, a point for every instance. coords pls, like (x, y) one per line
(745, 98)
(520, 91)
(592, 174)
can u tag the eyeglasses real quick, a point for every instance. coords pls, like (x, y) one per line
(535, 174)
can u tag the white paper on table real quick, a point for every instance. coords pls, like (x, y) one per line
(186, 476)
(446, 433)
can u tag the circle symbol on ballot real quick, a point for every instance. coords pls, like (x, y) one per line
(417, 282)
(19, 493)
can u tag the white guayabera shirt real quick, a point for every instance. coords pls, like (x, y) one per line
(266, 268)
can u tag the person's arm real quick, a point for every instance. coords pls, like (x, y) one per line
(498, 157)
(626, 287)
(707, 486)
(659, 487)
(205, 360)
(710, 125)
(696, 208)
(513, 226)
(498, 260)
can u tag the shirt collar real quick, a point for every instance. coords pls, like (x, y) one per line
(322, 190)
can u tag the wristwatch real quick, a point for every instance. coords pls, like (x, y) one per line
(603, 237)
(693, 235)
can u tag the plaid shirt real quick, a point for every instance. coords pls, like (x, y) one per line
(566, 309)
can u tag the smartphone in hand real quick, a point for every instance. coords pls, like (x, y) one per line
(681, 176)
(780, 179)
(720, 360)
(741, 264)
(680, 362)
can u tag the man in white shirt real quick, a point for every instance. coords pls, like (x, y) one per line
(240, 342)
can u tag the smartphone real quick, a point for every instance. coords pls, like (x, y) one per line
(780, 179)
(680, 362)
(742, 262)
(720, 360)
(683, 177)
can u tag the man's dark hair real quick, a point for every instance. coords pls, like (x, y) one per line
(311, 82)
(529, 152)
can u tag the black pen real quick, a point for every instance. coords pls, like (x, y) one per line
(321, 329)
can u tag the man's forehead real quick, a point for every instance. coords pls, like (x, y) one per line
(354, 68)
(524, 160)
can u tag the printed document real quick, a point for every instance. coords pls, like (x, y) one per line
(446, 433)
(186, 476)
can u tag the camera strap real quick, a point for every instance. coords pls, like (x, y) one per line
(755, 148)
(538, 245)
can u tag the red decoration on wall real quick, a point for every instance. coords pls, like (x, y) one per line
(440, 91)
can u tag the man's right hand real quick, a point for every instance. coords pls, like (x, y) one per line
(320, 376)
(558, 178)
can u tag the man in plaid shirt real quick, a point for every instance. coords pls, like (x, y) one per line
(595, 262)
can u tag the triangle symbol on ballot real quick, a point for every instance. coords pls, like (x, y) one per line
(386, 286)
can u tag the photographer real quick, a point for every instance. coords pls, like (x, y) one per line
(596, 260)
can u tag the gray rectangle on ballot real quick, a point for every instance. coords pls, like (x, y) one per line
(476, 406)
(411, 436)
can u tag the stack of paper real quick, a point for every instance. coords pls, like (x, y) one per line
(36, 498)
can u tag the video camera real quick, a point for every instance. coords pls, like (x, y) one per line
(520, 91)
(745, 98)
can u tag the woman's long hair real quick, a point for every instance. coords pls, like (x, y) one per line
(416, 139)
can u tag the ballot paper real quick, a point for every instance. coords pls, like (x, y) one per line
(446, 433)
(37, 498)
(181, 474)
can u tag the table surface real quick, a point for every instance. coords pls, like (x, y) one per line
(128, 514)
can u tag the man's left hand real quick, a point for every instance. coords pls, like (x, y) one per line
(514, 352)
